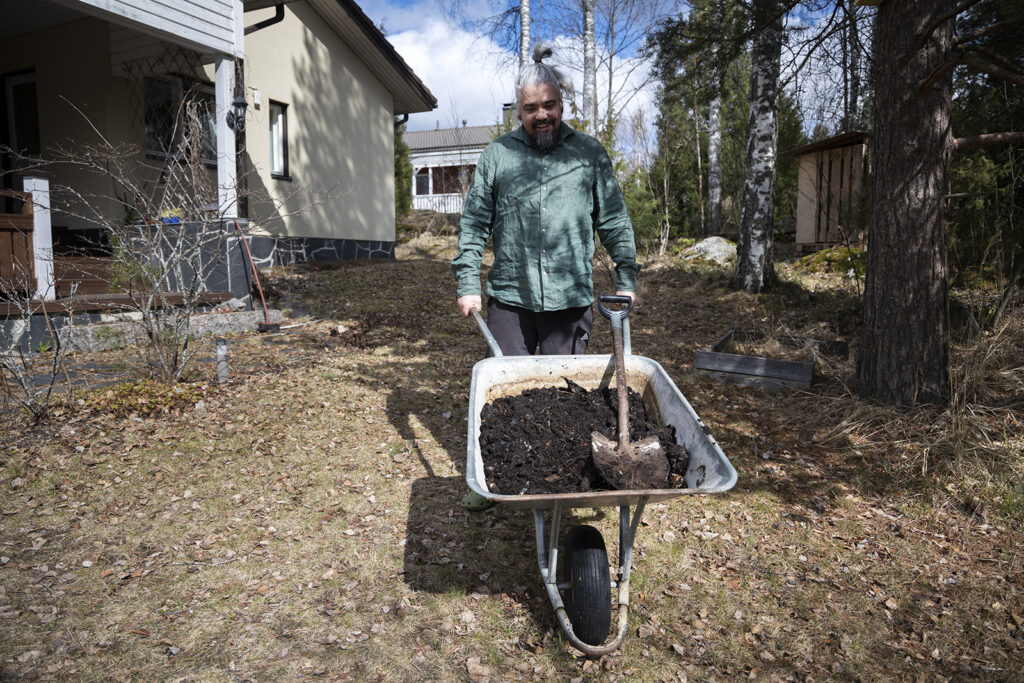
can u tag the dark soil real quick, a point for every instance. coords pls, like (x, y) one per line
(539, 441)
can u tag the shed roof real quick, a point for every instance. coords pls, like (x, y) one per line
(842, 140)
(466, 137)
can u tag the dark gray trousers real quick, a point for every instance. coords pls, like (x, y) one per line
(519, 332)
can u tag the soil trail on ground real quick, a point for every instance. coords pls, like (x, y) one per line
(539, 441)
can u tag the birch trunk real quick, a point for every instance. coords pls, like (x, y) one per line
(589, 69)
(755, 269)
(904, 351)
(524, 32)
(715, 226)
(854, 121)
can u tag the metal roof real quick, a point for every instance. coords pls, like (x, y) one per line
(466, 137)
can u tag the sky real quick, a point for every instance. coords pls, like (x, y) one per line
(470, 75)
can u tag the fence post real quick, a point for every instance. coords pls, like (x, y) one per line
(42, 235)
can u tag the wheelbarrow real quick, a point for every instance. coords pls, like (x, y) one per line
(581, 592)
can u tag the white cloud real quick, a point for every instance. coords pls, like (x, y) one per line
(470, 76)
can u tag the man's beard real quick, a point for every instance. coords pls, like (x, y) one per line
(546, 139)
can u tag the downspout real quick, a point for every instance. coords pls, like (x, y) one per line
(277, 18)
(402, 121)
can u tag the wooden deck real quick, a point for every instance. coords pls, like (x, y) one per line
(100, 303)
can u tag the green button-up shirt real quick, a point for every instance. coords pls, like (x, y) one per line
(541, 210)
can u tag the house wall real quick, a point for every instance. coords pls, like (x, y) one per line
(340, 134)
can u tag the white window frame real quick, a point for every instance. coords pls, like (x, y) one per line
(278, 115)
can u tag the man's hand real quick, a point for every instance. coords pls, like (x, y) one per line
(631, 295)
(468, 302)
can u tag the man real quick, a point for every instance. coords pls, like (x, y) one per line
(539, 193)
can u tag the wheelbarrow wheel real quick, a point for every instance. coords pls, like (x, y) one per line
(588, 600)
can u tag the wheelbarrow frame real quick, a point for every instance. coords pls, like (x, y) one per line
(709, 470)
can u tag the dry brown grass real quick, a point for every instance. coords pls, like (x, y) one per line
(305, 523)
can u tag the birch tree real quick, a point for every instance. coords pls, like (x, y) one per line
(620, 29)
(754, 263)
(524, 32)
(589, 69)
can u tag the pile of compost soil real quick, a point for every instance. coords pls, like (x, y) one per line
(539, 441)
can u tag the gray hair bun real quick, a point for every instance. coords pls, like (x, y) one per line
(539, 73)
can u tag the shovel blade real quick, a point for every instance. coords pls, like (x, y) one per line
(641, 465)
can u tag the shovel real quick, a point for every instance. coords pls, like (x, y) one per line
(626, 466)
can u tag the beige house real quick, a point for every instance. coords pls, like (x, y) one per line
(324, 86)
(314, 165)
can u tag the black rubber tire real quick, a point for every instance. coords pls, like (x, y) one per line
(588, 599)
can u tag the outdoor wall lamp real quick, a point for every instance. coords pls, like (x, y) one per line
(236, 115)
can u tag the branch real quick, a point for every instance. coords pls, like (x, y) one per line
(963, 59)
(962, 38)
(975, 141)
(1013, 76)
(951, 14)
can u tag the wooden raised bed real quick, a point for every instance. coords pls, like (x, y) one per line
(754, 371)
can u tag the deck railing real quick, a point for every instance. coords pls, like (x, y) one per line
(17, 254)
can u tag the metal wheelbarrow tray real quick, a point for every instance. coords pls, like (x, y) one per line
(708, 471)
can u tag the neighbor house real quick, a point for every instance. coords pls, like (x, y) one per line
(309, 162)
(443, 161)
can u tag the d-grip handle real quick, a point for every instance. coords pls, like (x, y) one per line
(616, 317)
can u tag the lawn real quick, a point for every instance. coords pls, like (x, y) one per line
(302, 520)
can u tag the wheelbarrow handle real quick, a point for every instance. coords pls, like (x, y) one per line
(491, 341)
(616, 317)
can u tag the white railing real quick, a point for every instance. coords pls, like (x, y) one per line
(441, 203)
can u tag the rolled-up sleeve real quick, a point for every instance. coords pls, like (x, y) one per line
(475, 227)
(613, 225)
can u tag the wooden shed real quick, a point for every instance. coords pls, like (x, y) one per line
(831, 185)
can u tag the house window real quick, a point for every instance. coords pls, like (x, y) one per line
(423, 181)
(166, 104)
(278, 140)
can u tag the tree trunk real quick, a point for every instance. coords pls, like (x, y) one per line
(854, 121)
(696, 151)
(714, 226)
(589, 69)
(755, 269)
(904, 351)
(524, 32)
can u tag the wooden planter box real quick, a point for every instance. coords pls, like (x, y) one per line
(754, 371)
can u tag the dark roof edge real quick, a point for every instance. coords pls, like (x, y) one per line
(388, 50)
(834, 142)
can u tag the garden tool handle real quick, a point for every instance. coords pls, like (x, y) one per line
(616, 318)
(491, 341)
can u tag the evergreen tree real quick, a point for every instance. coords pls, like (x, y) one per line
(403, 175)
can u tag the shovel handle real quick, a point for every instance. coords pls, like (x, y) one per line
(616, 318)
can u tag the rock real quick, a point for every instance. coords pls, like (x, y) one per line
(715, 249)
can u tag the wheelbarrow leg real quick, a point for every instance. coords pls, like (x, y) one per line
(547, 559)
